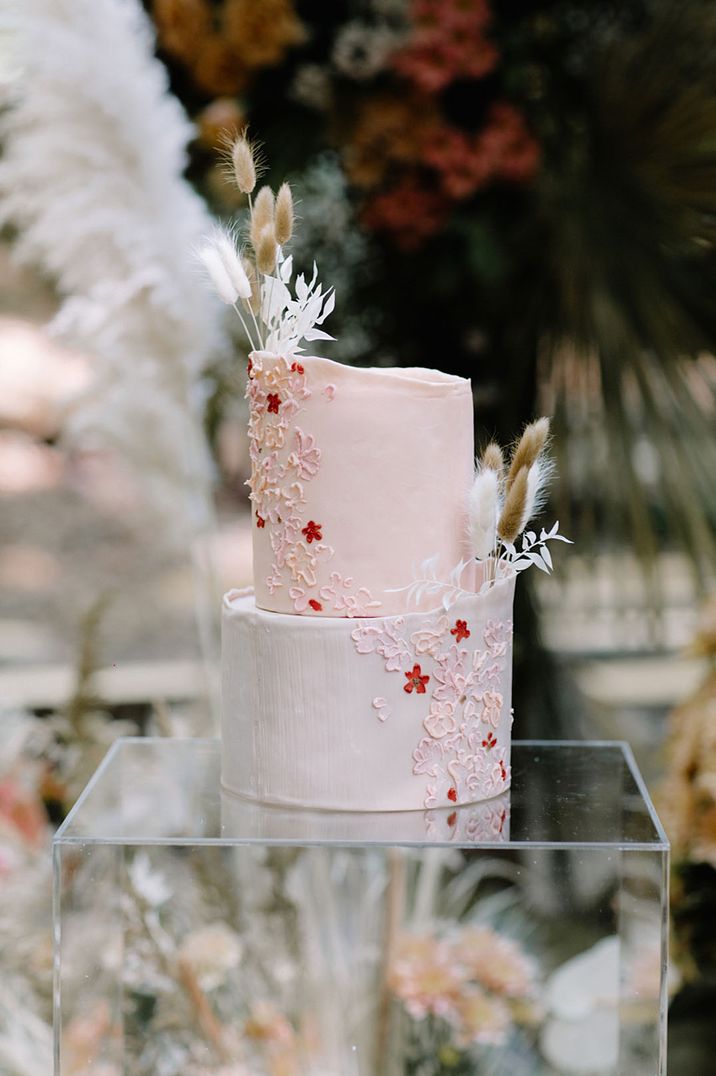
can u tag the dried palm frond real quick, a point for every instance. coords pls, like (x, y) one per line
(627, 317)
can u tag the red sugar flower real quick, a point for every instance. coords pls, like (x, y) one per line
(460, 631)
(490, 742)
(296, 368)
(249, 368)
(315, 605)
(452, 819)
(312, 531)
(260, 521)
(415, 680)
(452, 795)
(274, 400)
(503, 771)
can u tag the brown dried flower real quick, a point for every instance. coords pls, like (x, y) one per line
(284, 214)
(513, 510)
(528, 449)
(244, 163)
(493, 459)
(266, 249)
(262, 214)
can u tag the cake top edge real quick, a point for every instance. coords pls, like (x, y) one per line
(418, 378)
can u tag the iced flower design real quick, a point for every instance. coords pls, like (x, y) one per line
(312, 531)
(427, 756)
(301, 562)
(383, 639)
(492, 707)
(273, 402)
(428, 640)
(305, 458)
(497, 636)
(460, 755)
(450, 675)
(300, 598)
(415, 681)
(338, 592)
(380, 705)
(441, 719)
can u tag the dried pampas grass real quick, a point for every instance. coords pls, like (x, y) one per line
(494, 459)
(266, 250)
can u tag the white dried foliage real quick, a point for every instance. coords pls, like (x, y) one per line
(483, 504)
(92, 180)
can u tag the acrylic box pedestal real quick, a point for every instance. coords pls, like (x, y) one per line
(198, 934)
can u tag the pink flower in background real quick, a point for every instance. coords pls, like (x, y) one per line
(496, 962)
(426, 977)
(448, 43)
(481, 1019)
(22, 813)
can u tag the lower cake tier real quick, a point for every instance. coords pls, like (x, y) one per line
(398, 713)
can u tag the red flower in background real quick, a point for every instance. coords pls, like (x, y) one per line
(448, 43)
(409, 211)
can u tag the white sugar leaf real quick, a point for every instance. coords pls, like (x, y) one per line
(521, 564)
(546, 556)
(328, 307)
(286, 269)
(317, 334)
(531, 537)
(539, 563)
(301, 288)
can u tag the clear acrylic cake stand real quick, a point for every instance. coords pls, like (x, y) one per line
(197, 933)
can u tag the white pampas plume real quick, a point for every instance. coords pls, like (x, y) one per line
(114, 222)
(222, 261)
(482, 512)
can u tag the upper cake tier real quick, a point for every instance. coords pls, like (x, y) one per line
(358, 477)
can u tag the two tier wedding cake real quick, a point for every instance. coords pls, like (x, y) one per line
(369, 668)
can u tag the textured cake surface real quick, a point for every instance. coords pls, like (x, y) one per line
(384, 713)
(358, 477)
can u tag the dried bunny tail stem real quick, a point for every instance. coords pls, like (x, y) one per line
(482, 512)
(262, 215)
(230, 256)
(213, 263)
(266, 250)
(284, 214)
(242, 159)
(244, 166)
(538, 479)
(528, 448)
(513, 510)
(494, 459)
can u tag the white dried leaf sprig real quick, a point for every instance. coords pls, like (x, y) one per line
(256, 278)
(500, 506)
(427, 583)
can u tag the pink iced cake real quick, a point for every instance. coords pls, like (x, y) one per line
(358, 674)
